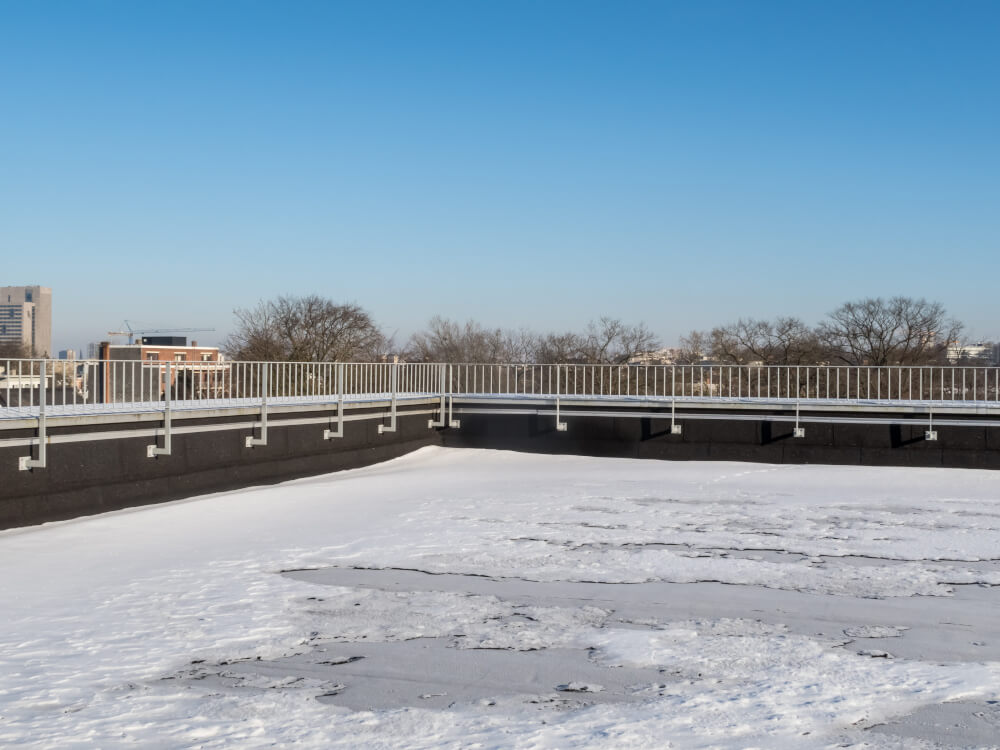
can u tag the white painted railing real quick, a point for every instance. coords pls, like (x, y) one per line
(739, 382)
(38, 390)
(94, 386)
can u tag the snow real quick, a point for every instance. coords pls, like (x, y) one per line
(453, 598)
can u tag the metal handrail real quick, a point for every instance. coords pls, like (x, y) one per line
(848, 383)
(96, 385)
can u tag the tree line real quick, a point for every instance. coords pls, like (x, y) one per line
(14, 350)
(872, 331)
(315, 329)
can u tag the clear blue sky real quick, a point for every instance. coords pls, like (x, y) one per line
(520, 163)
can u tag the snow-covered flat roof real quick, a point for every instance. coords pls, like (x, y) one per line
(454, 598)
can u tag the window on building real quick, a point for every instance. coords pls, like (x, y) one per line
(152, 356)
(178, 356)
(206, 357)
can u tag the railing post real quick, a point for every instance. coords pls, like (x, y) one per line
(798, 432)
(392, 385)
(452, 422)
(152, 451)
(675, 429)
(251, 441)
(25, 463)
(560, 425)
(339, 433)
(930, 433)
(441, 421)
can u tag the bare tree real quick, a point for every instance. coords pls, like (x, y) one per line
(607, 341)
(561, 348)
(783, 341)
(305, 329)
(898, 331)
(521, 346)
(14, 350)
(693, 348)
(610, 341)
(449, 341)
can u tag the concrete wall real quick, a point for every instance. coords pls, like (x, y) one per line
(720, 440)
(84, 478)
(92, 477)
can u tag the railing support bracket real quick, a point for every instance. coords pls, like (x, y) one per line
(930, 433)
(560, 425)
(152, 451)
(440, 421)
(251, 441)
(798, 432)
(26, 463)
(391, 427)
(339, 432)
(675, 429)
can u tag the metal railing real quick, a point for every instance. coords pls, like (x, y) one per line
(38, 390)
(732, 382)
(113, 385)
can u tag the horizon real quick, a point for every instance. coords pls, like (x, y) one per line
(215, 338)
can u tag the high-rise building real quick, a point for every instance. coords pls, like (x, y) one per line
(26, 318)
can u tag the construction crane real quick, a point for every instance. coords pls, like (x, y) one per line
(131, 332)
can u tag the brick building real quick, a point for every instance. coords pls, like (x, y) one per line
(138, 372)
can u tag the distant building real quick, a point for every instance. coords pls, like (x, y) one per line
(982, 353)
(668, 356)
(26, 318)
(67, 354)
(138, 372)
(658, 357)
(160, 349)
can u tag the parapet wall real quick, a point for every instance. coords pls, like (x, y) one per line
(93, 476)
(759, 439)
(83, 478)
